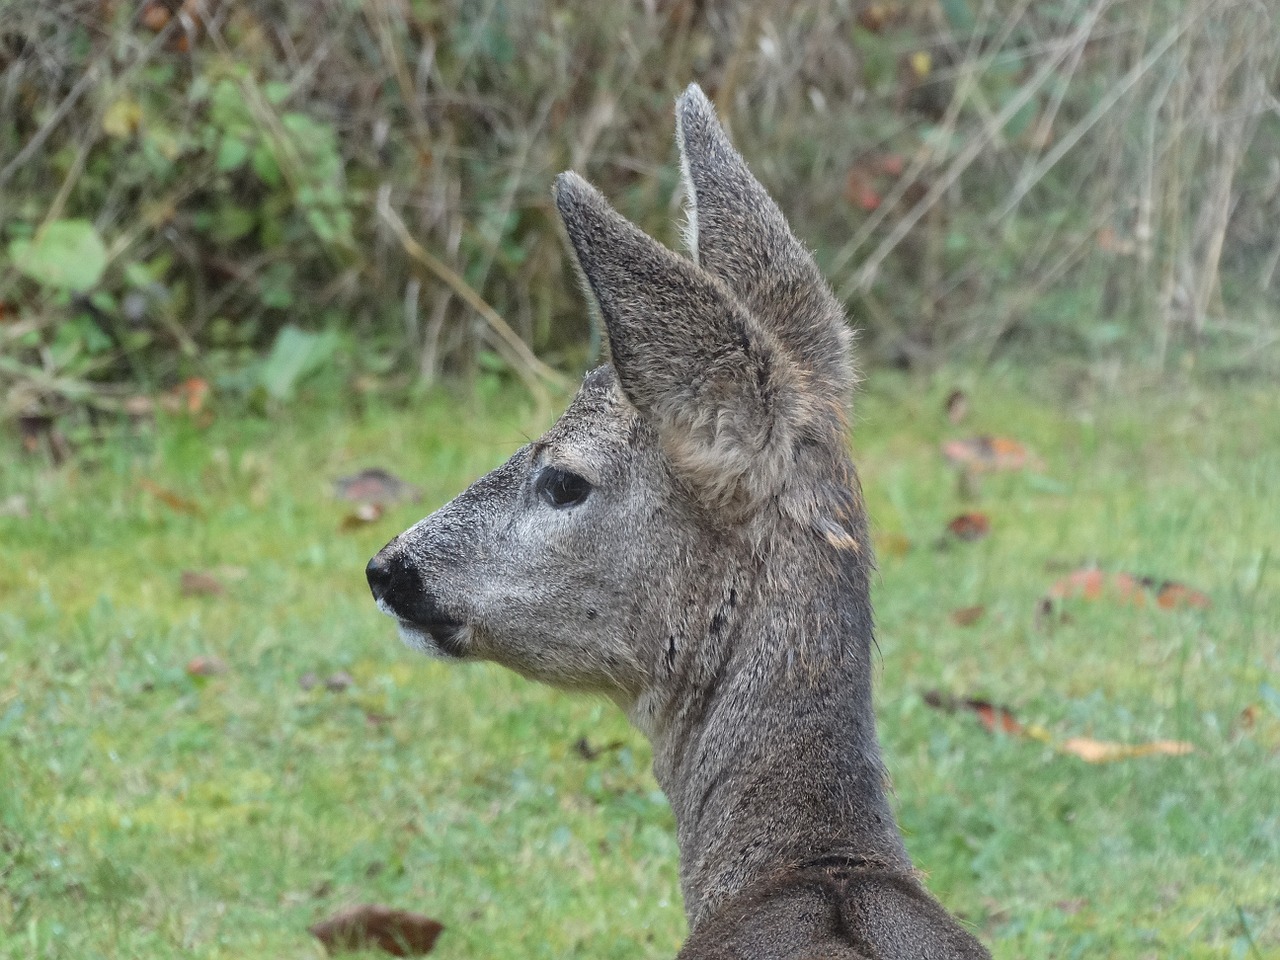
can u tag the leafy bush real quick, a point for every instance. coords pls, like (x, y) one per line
(187, 180)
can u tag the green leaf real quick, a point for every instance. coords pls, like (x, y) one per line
(65, 255)
(232, 154)
(295, 355)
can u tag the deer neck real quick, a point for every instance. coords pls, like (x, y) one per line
(764, 737)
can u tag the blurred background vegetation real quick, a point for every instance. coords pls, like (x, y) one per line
(236, 195)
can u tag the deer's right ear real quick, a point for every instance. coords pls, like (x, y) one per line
(720, 392)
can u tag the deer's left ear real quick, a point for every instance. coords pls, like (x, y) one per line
(720, 392)
(737, 233)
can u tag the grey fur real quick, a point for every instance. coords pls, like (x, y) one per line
(714, 582)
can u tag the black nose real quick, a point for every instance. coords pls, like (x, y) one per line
(379, 574)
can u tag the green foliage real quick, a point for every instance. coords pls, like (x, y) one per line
(63, 255)
(233, 176)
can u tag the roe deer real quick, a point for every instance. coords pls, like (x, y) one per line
(690, 539)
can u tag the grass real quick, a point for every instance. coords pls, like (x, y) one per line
(145, 812)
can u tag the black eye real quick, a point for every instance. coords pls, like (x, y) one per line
(560, 488)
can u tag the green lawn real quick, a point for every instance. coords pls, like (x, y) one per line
(145, 812)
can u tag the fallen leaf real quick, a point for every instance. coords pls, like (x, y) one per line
(969, 526)
(364, 514)
(198, 583)
(1102, 751)
(987, 453)
(203, 666)
(375, 485)
(957, 406)
(1094, 584)
(308, 680)
(992, 716)
(170, 499)
(397, 932)
(338, 682)
(967, 616)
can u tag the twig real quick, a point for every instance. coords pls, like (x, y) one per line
(516, 352)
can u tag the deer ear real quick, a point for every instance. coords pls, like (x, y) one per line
(737, 233)
(687, 355)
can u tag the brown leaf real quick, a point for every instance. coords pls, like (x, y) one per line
(338, 682)
(198, 583)
(364, 514)
(967, 616)
(397, 932)
(969, 526)
(988, 453)
(957, 406)
(375, 485)
(992, 716)
(1127, 588)
(203, 666)
(173, 501)
(1102, 751)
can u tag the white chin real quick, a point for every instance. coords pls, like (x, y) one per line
(416, 639)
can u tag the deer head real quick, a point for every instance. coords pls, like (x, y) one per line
(716, 433)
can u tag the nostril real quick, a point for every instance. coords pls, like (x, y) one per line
(378, 573)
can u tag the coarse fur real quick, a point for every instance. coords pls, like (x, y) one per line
(707, 568)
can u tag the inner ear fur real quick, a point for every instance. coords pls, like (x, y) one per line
(727, 401)
(737, 233)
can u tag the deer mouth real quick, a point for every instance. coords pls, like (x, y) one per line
(442, 638)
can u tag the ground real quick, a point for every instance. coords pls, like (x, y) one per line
(158, 804)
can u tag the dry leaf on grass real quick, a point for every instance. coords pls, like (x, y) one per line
(1102, 751)
(994, 717)
(203, 666)
(397, 932)
(173, 501)
(988, 453)
(957, 406)
(969, 526)
(375, 486)
(967, 616)
(1126, 588)
(198, 583)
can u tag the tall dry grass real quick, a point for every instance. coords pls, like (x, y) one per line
(978, 177)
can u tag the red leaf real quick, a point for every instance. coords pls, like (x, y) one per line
(992, 716)
(205, 667)
(987, 453)
(969, 526)
(397, 932)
